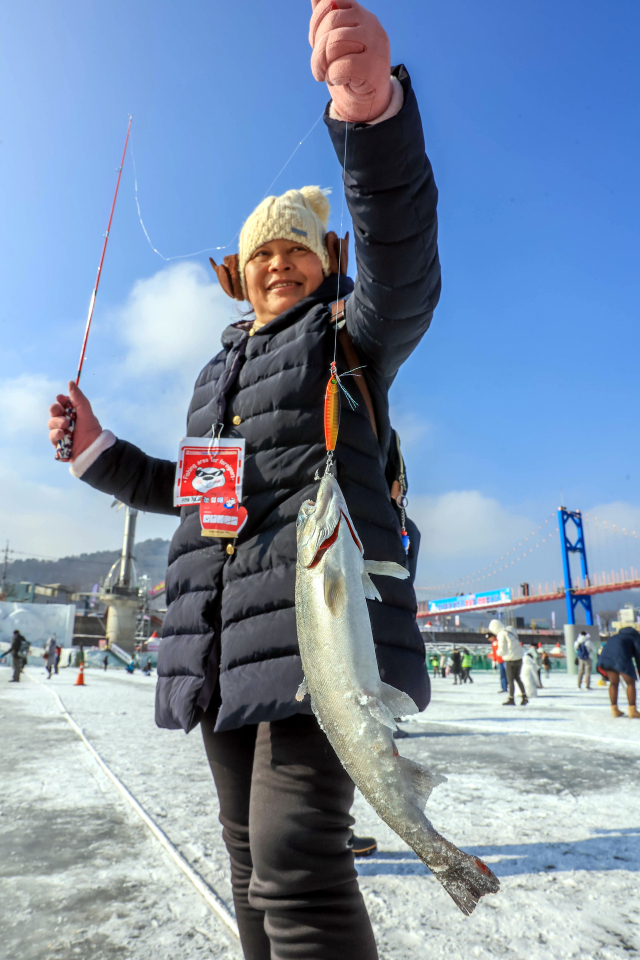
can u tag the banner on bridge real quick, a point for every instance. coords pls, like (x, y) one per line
(470, 601)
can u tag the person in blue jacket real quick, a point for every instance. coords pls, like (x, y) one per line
(615, 661)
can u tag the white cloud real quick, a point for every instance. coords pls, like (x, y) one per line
(26, 400)
(172, 322)
(624, 515)
(472, 543)
(465, 524)
(171, 325)
(41, 519)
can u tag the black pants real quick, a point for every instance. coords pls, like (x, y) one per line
(284, 807)
(18, 666)
(513, 673)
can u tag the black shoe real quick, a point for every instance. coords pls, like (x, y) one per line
(400, 734)
(524, 701)
(362, 846)
(509, 703)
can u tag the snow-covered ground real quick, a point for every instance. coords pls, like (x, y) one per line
(548, 794)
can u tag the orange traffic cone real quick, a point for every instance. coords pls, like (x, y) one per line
(80, 680)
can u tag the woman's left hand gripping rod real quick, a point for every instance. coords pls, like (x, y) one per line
(73, 426)
(64, 447)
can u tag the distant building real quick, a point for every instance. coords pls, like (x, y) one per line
(28, 592)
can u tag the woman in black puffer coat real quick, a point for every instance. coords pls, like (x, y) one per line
(229, 658)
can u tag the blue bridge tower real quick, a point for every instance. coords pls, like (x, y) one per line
(577, 545)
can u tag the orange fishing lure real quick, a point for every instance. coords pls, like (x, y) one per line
(331, 410)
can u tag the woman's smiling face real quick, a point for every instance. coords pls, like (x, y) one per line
(278, 275)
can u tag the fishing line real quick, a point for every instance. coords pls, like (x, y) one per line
(344, 167)
(332, 393)
(266, 193)
(197, 253)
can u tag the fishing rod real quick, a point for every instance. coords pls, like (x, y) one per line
(64, 447)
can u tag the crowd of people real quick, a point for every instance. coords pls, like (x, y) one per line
(510, 660)
(515, 664)
(457, 664)
(20, 649)
(522, 667)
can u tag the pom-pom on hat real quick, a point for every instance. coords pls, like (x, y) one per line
(296, 215)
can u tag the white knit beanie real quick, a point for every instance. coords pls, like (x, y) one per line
(296, 215)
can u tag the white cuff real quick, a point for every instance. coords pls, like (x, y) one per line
(91, 454)
(395, 105)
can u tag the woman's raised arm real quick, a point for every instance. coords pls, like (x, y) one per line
(388, 182)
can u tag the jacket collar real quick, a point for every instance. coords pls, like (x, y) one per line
(334, 287)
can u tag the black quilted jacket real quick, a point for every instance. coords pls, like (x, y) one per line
(229, 636)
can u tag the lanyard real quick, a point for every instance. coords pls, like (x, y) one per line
(235, 361)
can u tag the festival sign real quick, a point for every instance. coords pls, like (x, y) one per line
(209, 473)
(470, 601)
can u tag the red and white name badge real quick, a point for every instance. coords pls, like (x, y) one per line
(210, 472)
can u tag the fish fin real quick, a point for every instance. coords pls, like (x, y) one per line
(335, 587)
(422, 780)
(303, 690)
(380, 712)
(370, 589)
(386, 568)
(399, 703)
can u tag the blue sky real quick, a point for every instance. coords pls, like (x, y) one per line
(524, 389)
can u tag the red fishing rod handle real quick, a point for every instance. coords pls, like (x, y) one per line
(64, 447)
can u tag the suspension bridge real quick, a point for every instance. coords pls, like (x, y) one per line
(613, 546)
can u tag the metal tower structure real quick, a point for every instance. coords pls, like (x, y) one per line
(125, 580)
(568, 546)
(123, 597)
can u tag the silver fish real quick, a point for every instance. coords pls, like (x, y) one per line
(354, 707)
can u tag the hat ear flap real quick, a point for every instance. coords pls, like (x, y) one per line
(338, 251)
(232, 264)
(228, 275)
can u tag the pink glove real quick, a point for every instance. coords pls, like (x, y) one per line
(351, 52)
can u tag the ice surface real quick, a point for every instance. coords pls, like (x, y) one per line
(546, 794)
(80, 874)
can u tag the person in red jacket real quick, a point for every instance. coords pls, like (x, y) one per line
(499, 661)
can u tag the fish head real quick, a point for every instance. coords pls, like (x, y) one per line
(318, 522)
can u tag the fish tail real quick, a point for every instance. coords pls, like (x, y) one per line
(465, 877)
